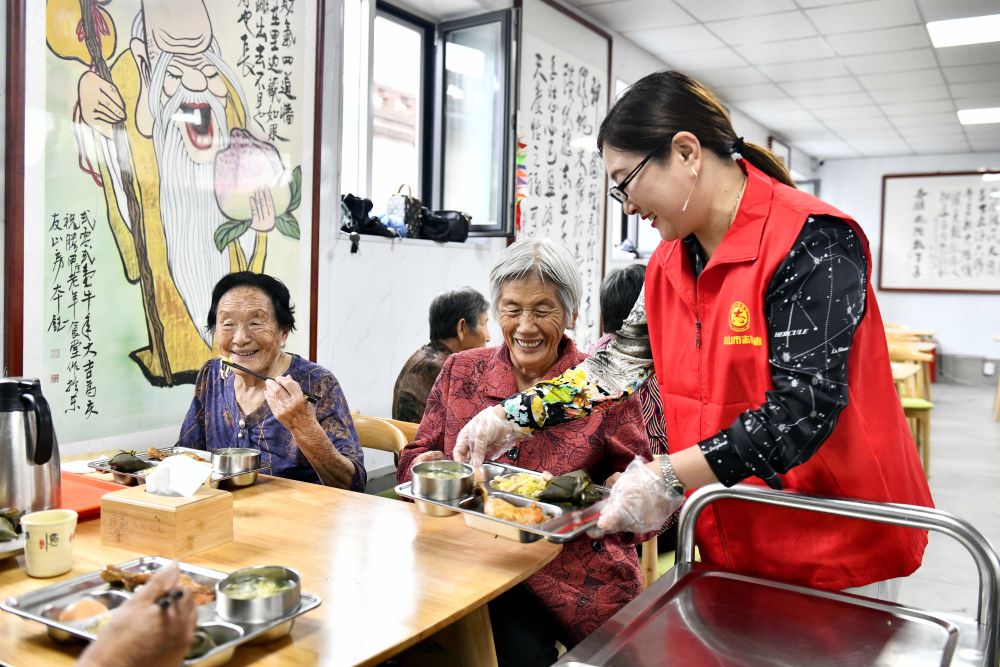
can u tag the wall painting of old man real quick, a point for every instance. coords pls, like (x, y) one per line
(161, 144)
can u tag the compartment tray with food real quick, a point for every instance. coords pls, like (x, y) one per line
(564, 523)
(54, 606)
(125, 472)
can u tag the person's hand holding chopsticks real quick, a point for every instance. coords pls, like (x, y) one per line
(155, 628)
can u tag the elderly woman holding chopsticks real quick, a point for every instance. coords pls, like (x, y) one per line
(261, 397)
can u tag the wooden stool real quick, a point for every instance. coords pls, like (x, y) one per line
(918, 413)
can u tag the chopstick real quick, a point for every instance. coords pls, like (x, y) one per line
(312, 398)
(165, 600)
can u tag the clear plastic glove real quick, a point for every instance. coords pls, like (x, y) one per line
(487, 435)
(639, 502)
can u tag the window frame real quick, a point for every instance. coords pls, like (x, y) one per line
(425, 133)
(505, 212)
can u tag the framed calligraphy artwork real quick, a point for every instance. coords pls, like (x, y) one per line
(941, 232)
(158, 145)
(561, 187)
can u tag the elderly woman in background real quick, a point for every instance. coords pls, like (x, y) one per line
(251, 317)
(536, 292)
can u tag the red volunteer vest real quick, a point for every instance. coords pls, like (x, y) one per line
(869, 455)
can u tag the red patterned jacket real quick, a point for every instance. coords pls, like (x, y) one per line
(591, 579)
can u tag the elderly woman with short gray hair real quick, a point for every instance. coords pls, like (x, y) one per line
(536, 294)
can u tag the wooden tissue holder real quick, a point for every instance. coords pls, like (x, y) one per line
(168, 526)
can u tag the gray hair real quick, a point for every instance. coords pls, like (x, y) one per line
(545, 259)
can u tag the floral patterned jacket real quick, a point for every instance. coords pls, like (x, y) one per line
(591, 579)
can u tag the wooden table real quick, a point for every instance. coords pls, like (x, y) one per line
(903, 371)
(388, 576)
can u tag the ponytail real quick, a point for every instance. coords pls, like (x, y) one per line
(767, 162)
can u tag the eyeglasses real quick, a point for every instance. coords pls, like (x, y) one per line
(617, 192)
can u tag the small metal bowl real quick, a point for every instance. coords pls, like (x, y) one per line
(432, 488)
(242, 462)
(239, 609)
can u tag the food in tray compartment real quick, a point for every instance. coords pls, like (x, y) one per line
(524, 484)
(127, 461)
(81, 609)
(154, 454)
(132, 580)
(7, 532)
(255, 587)
(202, 644)
(499, 508)
(574, 487)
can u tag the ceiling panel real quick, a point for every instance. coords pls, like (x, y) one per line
(733, 76)
(718, 10)
(879, 41)
(895, 61)
(859, 111)
(822, 86)
(926, 121)
(922, 77)
(799, 71)
(834, 101)
(973, 54)
(972, 73)
(852, 124)
(629, 15)
(761, 91)
(919, 108)
(937, 10)
(762, 29)
(812, 48)
(864, 16)
(988, 89)
(904, 95)
(837, 78)
(683, 38)
(689, 61)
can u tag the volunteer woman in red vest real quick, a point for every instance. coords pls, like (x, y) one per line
(768, 348)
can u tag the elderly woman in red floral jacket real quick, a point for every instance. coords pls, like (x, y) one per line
(536, 293)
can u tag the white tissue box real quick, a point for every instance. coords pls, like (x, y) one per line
(169, 526)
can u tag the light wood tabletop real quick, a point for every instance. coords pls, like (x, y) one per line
(388, 575)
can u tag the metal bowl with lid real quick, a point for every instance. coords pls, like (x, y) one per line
(239, 464)
(258, 594)
(441, 480)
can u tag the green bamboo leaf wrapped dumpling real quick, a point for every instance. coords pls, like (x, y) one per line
(7, 532)
(574, 487)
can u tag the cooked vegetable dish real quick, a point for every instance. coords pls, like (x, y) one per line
(522, 483)
(251, 588)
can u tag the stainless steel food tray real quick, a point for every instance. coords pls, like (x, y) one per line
(567, 524)
(40, 604)
(14, 547)
(133, 478)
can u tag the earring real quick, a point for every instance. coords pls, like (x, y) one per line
(691, 191)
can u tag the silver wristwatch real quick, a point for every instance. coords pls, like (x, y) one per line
(669, 476)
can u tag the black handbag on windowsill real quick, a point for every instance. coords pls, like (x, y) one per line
(444, 226)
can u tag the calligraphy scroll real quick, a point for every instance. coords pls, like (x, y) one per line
(941, 232)
(561, 188)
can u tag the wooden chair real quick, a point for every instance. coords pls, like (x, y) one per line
(915, 394)
(376, 433)
(650, 562)
(409, 429)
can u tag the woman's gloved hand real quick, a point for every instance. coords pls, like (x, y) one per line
(487, 435)
(639, 502)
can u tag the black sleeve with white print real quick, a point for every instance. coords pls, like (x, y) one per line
(814, 304)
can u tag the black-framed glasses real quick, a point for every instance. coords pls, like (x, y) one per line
(617, 192)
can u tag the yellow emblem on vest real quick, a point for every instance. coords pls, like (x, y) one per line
(739, 316)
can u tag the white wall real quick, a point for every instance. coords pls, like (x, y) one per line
(375, 305)
(965, 322)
